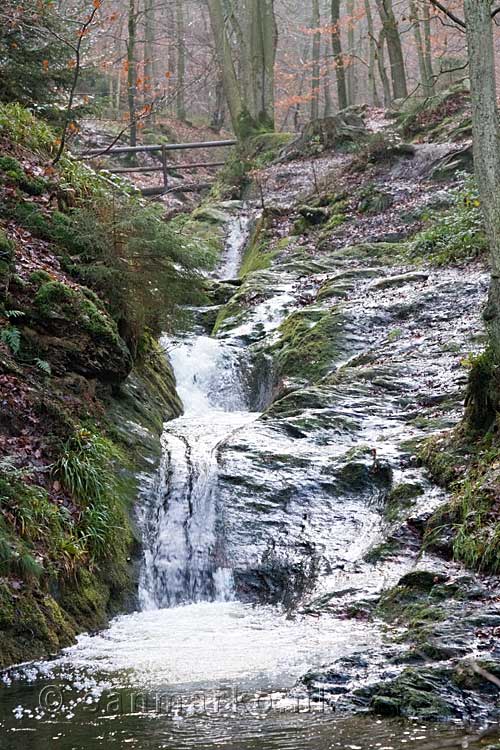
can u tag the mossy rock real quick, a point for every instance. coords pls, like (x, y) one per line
(32, 625)
(375, 201)
(309, 342)
(410, 695)
(265, 148)
(73, 334)
(423, 580)
(7, 254)
(402, 498)
(13, 172)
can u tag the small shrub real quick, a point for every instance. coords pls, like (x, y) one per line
(457, 234)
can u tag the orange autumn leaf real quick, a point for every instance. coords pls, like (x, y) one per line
(97, 3)
(45, 64)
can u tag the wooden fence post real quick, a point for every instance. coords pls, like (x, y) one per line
(164, 165)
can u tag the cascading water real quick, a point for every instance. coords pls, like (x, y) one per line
(307, 482)
(184, 557)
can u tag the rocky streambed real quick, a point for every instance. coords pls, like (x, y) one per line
(289, 513)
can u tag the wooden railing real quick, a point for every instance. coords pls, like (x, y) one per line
(165, 167)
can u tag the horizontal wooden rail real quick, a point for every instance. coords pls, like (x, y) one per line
(170, 167)
(157, 147)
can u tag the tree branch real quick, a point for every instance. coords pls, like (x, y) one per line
(78, 48)
(458, 21)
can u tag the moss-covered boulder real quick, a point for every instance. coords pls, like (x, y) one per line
(73, 333)
(31, 623)
(7, 251)
(308, 343)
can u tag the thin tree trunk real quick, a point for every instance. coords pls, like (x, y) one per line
(132, 72)
(338, 56)
(263, 45)
(316, 52)
(428, 48)
(486, 139)
(386, 86)
(118, 94)
(328, 111)
(372, 56)
(394, 48)
(181, 61)
(350, 71)
(171, 59)
(218, 114)
(149, 72)
(419, 44)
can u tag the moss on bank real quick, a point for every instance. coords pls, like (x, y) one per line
(467, 462)
(84, 387)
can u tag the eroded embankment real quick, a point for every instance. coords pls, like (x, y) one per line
(367, 311)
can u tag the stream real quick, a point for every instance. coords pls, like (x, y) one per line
(259, 509)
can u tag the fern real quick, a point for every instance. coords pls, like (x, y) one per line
(14, 314)
(43, 365)
(12, 337)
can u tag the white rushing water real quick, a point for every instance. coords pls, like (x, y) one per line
(191, 633)
(184, 557)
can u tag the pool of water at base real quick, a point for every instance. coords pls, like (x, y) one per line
(199, 677)
(231, 728)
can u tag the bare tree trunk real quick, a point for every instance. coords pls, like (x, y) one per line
(350, 71)
(419, 44)
(132, 72)
(372, 56)
(263, 44)
(316, 52)
(118, 94)
(382, 69)
(181, 61)
(328, 110)
(428, 47)
(218, 114)
(250, 96)
(149, 27)
(486, 138)
(338, 56)
(394, 48)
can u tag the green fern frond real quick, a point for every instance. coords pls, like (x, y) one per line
(12, 337)
(43, 365)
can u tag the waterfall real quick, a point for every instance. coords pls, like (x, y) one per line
(184, 552)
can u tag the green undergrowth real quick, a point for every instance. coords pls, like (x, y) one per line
(470, 468)
(105, 236)
(89, 274)
(467, 461)
(257, 152)
(455, 235)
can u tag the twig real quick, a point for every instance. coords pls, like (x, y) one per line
(81, 34)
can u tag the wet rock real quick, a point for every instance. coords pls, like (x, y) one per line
(314, 215)
(345, 126)
(400, 280)
(422, 579)
(456, 161)
(212, 215)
